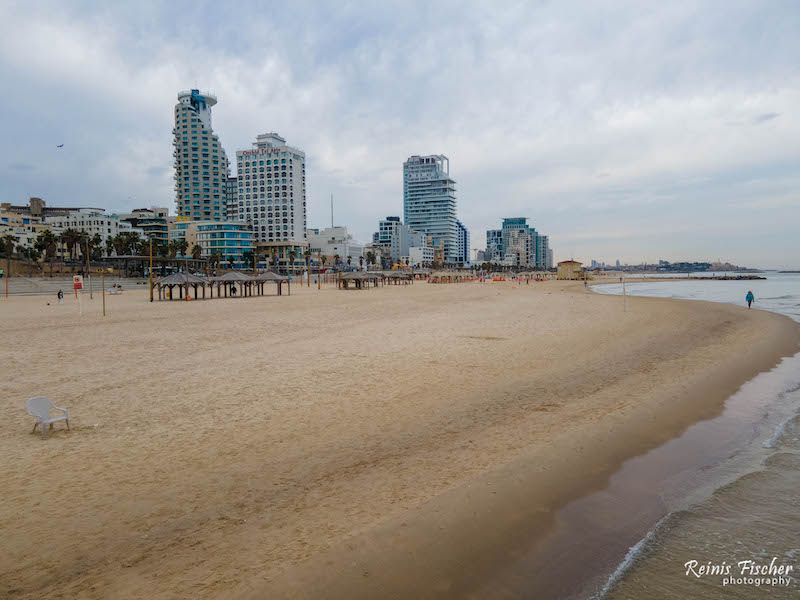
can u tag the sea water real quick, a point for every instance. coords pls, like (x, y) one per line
(731, 508)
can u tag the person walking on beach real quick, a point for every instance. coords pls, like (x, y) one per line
(750, 298)
(60, 296)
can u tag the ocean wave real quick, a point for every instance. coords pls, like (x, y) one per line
(635, 553)
(779, 431)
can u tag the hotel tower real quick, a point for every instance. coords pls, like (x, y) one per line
(201, 167)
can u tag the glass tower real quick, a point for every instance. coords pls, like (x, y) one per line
(201, 166)
(429, 201)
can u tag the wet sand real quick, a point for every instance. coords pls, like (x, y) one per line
(407, 441)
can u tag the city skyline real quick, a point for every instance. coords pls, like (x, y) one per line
(685, 150)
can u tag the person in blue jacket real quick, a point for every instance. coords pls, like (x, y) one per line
(750, 299)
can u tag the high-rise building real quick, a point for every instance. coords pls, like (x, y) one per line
(494, 245)
(542, 252)
(231, 197)
(462, 254)
(201, 166)
(398, 239)
(429, 202)
(272, 197)
(518, 244)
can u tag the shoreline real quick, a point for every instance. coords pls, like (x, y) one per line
(427, 432)
(506, 511)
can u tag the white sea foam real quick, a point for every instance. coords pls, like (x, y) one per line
(778, 433)
(635, 552)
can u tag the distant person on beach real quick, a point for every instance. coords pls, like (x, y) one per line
(60, 296)
(750, 299)
(233, 290)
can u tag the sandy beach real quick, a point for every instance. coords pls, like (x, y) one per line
(405, 441)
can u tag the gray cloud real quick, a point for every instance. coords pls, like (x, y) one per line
(587, 117)
(765, 117)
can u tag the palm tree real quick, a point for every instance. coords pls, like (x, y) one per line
(336, 259)
(109, 245)
(96, 246)
(349, 260)
(118, 243)
(172, 248)
(133, 240)
(143, 247)
(361, 262)
(292, 254)
(69, 238)
(160, 248)
(47, 242)
(182, 246)
(247, 257)
(371, 257)
(307, 256)
(197, 251)
(82, 244)
(213, 259)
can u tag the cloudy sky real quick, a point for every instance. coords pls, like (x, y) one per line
(630, 130)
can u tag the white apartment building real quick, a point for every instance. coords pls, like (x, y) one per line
(93, 221)
(398, 239)
(420, 256)
(333, 241)
(272, 191)
(201, 166)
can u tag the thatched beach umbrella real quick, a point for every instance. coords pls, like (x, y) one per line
(263, 278)
(231, 279)
(182, 280)
(359, 279)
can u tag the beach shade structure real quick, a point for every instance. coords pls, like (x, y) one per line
(421, 274)
(262, 279)
(225, 282)
(360, 280)
(399, 277)
(183, 281)
(40, 408)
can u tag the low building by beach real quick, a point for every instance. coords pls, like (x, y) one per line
(227, 239)
(93, 221)
(25, 228)
(153, 222)
(334, 241)
(569, 269)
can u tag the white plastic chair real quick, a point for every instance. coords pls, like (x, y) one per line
(40, 409)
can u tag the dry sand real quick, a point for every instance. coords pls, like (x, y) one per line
(401, 441)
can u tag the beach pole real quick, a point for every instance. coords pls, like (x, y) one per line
(103, 290)
(186, 275)
(89, 271)
(151, 268)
